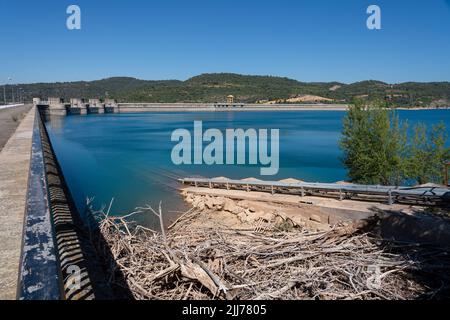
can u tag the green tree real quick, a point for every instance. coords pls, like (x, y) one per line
(374, 144)
(428, 153)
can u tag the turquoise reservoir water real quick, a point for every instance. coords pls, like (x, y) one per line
(128, 156)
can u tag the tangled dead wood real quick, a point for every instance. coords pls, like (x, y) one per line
(212, 263)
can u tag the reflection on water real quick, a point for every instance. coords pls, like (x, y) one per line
(127, 156)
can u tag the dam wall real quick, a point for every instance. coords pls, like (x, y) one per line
(56, 106)
(183, 107)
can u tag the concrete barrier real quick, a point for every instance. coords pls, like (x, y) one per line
(200, 107)
(11, 106)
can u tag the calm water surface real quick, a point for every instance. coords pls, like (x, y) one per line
(127, 156)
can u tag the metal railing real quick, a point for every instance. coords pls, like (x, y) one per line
(58, 261)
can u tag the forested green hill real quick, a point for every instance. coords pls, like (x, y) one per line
(246, 88)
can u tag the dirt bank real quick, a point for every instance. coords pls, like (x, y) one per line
(254, 215)
(258, 210)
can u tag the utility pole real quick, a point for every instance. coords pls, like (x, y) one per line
(4, 93)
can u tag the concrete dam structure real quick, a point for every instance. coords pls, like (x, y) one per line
(77, 106)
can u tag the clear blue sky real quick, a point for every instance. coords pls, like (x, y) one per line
(316, 40)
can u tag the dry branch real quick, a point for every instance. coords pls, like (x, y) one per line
(188, 263)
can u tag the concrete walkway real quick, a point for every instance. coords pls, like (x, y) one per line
(14, 167)
(10, 119)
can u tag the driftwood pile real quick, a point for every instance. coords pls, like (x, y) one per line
(186, 263)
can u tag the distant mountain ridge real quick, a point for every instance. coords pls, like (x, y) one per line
(214, 87)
